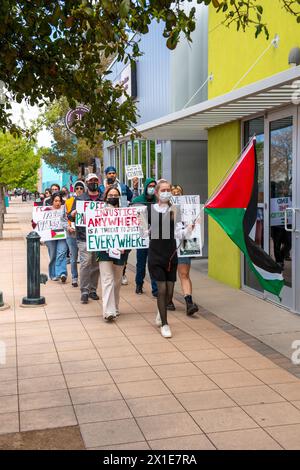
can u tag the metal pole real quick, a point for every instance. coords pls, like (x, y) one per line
(33, 271)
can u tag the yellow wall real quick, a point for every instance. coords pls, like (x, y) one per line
(230, 55)
(224, 256)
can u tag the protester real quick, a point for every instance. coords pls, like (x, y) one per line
(147, 198)
(126, 194)
(54, 189)
(162, 254)
(89, 267)
(111, 178)
(184, 267)
(65, 193)
(111, 268)
(69, 226)
(57, 249)
(135, 187)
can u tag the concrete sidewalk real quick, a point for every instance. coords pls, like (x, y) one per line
(72, 381)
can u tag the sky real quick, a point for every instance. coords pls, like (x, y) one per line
(30, 113)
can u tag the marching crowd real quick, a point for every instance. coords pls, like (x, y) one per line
(163, 262)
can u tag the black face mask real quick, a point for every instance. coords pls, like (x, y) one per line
(92, 186)
(113, 201)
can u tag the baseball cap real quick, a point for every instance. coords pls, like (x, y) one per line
(91, 176)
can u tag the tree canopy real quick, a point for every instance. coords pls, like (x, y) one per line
(19, 163)
(55, 48)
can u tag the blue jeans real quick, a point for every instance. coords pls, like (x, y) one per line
(57, 250)
(73, 247)
(141, 262)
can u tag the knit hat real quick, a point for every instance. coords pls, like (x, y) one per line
(79, 183)
(110, 169)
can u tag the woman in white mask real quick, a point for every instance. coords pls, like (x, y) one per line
(162, 255)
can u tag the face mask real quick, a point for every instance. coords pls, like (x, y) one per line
(165, 197)
(92, 186)
(113, 201)
(150, 191)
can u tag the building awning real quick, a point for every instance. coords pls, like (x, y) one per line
(192, 123)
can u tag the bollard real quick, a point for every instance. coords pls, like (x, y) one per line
(3, 306)
(33, 271)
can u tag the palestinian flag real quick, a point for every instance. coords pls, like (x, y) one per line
(234, 207)
(56, 234)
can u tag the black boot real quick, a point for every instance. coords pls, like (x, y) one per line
(191, 308)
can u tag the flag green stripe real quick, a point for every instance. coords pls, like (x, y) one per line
(231, 220)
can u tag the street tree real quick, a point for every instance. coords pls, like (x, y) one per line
(19, 164)
(55, 48)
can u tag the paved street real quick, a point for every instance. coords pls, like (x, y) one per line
(121, 385)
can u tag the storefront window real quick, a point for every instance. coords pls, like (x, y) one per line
(251, 128)
(152, 159)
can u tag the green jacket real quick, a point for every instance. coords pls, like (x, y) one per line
(143, 199)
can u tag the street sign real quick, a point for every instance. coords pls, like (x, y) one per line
(74, 115)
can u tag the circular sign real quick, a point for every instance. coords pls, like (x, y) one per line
(75, 115)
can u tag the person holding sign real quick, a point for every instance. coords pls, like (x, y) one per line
(69, 226)
(162, 254)
(57, 249)
(184, 267)
(111, 264)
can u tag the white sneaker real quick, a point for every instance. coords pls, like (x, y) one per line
(109, 317)
(158, 319)
(117, 313)
(165, 331)
(124, 280)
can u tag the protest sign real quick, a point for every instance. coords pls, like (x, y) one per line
(133, 171)
(81, 207)
(278, 207)
(48, 223)
(190, 212)
(109, 228)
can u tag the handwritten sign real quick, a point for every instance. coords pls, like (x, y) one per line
(277, 210)
(190, 213)
(48, 223)
(133, 171)
(109, 228)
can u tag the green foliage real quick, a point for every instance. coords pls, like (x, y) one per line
(67, 151)
(55, 48)
(19, 163)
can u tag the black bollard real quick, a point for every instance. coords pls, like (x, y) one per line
(33, 271)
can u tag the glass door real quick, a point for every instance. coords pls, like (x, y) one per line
(281, 198)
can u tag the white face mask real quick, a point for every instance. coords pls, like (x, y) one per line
(150, 191)
(165, 197)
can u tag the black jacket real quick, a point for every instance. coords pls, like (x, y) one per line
(81, 231)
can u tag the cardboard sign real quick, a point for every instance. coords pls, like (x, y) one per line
(190, 212)
(109, 228)
(48, 223)
(278, 207)
(133, 171)
(81, 207)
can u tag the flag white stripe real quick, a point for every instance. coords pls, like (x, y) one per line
(267, 275)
